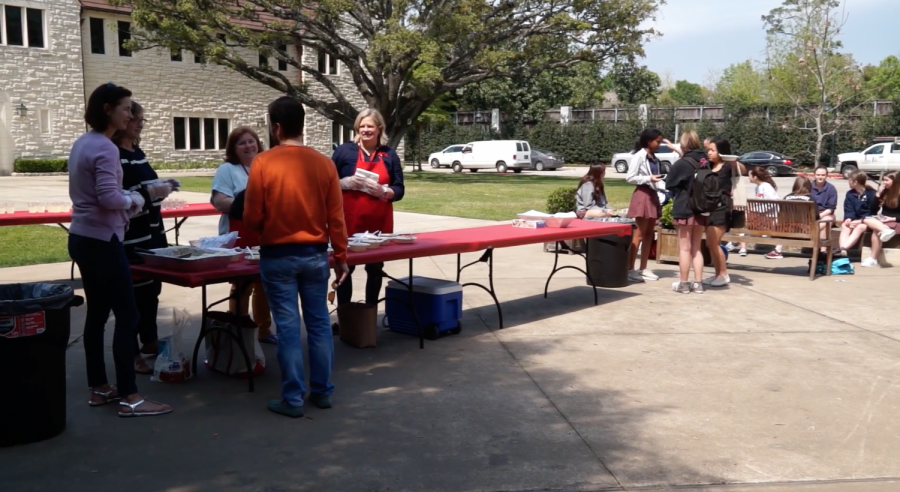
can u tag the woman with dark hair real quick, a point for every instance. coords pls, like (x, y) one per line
(860, 203)
(100, 210)
(719, 221)
(644, 208)
(688, 224)
(590, 197)
(368, 204)
(885, 225)
(228, 188)
(145, 229)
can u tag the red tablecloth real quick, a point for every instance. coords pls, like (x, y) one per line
(427, 244)
(26, 218)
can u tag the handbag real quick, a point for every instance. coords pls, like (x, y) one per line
(841, 266)
(223, 354)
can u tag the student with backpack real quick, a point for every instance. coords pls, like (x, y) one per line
(696, 196)
(644, 208)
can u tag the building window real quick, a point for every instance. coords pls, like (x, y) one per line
(282, 65)
(340, 134)
(124, 35)
(45, 121)
(98, 40)
(327, 64)
(199, 58)
(175, 55)
(23, 27)
(263, 60)
(200, 133)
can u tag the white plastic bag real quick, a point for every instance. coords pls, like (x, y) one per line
(223, 241)
(172, 365)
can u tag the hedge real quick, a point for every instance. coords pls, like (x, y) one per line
(598, 141)
(40, 165)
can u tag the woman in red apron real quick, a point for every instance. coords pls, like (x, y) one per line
(228, 197)
(368, 204)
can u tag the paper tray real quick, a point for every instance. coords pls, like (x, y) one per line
(215, 262)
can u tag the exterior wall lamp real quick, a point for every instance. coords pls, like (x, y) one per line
(22, 110)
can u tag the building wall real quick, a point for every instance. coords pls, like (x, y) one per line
(168, 89)
(48, 79)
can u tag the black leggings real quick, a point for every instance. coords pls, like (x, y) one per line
(374, 276)
(106, 277)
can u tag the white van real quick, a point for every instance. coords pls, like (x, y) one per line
(501, 155)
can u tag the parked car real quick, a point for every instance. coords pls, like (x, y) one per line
(773, 162)
(544, 159)
(445, 157)
(875, 159)
(666, 157)
(501, 155)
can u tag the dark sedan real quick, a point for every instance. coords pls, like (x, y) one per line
(545, 160)
(773, 162)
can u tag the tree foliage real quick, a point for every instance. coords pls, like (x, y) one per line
(743, 84)
(633, 83)
(883, 81)
(683, 92)
(400, 54)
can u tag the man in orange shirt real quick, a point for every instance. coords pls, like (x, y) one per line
(293, 199)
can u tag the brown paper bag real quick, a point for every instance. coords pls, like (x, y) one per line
(358, 324)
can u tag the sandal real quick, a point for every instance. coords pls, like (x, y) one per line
(108, 396)
(133, 409)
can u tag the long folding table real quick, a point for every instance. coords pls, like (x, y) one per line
(180, 215)
(457, 241)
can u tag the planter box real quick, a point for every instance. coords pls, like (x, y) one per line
(667, 247)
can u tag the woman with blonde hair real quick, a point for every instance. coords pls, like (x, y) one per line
(228, 190)
(688, 224)
(885, 225)
(368, 203)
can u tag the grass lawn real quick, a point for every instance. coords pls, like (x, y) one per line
(32, 245)
(475, 196)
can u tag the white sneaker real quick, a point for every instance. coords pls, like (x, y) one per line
(720, 281)
(743, 252)
(886, 235)
(709, 280)
(730, 246)
(870, 263)
(675, 285)
(635, 276)
(646, 274)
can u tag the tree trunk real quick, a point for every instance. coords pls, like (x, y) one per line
(819, 139)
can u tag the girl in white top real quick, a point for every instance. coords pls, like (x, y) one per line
(766, 189)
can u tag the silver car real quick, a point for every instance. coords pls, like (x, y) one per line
(666, 157)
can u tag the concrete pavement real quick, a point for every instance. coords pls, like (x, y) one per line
(768, 384)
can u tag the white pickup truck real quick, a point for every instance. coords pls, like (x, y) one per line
(881, 157)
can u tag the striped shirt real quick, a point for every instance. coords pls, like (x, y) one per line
(145, 230)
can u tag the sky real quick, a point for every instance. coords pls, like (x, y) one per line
(701, 37)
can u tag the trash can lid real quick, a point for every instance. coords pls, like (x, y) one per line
(16, 299)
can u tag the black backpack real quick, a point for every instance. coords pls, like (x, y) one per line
(705, 194)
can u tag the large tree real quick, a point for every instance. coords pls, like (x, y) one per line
(683, 92)
(884, 80)
(401, 54)
(806, 66)
(633, 83)
(742, 84)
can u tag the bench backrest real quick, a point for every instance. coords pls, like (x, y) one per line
(782, 218)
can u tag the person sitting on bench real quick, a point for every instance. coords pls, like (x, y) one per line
(884, 225)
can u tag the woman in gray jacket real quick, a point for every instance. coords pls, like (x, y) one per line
(644, 208)
(590, 197)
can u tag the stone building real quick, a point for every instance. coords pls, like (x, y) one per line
(53, 53)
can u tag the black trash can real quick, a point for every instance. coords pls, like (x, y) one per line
(607, 260)
(34, 333)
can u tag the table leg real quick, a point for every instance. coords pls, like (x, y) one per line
(486, 257)
(203, 312)
(177, 228)
(557, 268)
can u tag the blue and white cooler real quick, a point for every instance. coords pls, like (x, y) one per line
(438, 304)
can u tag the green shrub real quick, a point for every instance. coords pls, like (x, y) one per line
(666, 219)
(561, 200)
(23, 165)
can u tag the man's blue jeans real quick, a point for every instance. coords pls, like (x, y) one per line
(283, 278)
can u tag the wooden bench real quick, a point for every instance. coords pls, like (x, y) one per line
(785, 222)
